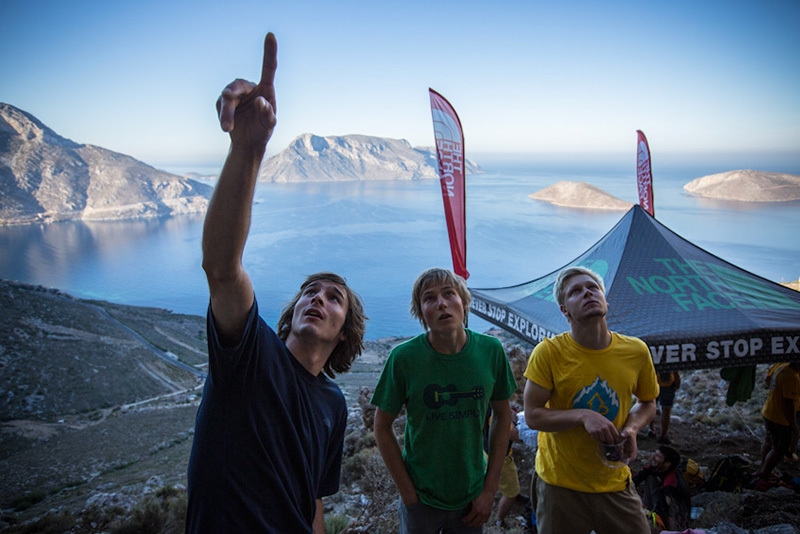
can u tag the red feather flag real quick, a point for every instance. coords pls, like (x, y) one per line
(644, 174)
(450, 156)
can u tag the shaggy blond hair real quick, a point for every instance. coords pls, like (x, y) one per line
(434, 277)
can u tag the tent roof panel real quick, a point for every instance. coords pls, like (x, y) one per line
(674, 295)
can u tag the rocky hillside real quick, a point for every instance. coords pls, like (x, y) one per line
(311, 158)
(97, 414)
(61, 356)
(580, 195)
(45, 178)
(747, 186)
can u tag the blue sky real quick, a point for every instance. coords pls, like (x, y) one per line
(142, 77)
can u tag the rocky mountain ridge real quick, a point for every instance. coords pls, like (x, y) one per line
(47, 178)
(312, 158)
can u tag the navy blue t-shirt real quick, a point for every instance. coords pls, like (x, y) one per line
(268, 438)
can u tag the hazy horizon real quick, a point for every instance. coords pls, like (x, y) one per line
(787, 162)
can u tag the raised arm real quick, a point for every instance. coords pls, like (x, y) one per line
(248, 113)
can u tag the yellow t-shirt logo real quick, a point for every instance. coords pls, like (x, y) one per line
(598, 397)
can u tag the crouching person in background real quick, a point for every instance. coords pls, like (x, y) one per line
(665, 491)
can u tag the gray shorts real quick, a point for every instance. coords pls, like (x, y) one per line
(419, 518)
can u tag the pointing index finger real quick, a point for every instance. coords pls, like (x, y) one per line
(270, 64)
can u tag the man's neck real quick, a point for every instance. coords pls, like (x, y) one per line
(448, 342)
(311, 355)
(592, 334)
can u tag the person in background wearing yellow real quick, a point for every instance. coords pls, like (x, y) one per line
(780, 417)
(668, 382)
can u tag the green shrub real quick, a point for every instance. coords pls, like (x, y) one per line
(380, 513)
(335, 524)
(49, 524)
(161, 513)
(353, 468)
(122, 465)
(70, 484)
(26, 501)
(99, 518)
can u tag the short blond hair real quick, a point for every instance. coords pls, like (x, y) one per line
(437, 276)
(561, 281)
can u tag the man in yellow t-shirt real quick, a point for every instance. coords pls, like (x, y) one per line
(780, 417)
(579, 395)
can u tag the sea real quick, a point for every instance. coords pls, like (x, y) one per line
(381, 234)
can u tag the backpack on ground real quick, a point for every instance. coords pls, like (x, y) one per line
(691, 472)
(729, 474)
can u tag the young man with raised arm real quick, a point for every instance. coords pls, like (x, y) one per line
(270, 428)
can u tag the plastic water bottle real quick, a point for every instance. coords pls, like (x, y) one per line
(529, 437)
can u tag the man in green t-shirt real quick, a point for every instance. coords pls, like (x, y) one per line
(446, 378)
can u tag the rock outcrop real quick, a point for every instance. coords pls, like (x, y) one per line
(45, 178)
(580, 195)
(747, 186)
(311, 158)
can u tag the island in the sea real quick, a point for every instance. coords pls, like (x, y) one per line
(580, 195)
(741, 186)
(345, 158)
(747, 186)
